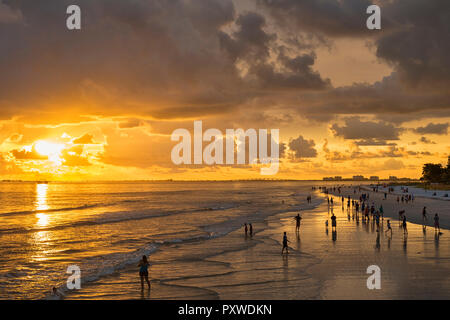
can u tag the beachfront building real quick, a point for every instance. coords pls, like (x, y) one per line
(393, 178)
(358, 178)
(374, 178)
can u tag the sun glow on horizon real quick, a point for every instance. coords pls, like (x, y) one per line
(50, 149)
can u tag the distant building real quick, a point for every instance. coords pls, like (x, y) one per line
(393, 178)
(337, 178)
(374, 178)
(358, 178)
(328, 179)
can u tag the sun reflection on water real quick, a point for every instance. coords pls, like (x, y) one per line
(41, 204)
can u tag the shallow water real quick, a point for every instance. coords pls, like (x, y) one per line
(105, 228)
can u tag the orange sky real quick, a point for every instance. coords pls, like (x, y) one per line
(101, 103)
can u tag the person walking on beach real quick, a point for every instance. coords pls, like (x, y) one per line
(297, 222)
(333, 222)
(285, 244)
(401, 214)
(251, 230)
(389, 228)
(143, 271)
(245, 229)
(424, 214)
(436, 223)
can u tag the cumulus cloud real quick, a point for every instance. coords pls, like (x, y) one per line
(302, 148)
(370, 132)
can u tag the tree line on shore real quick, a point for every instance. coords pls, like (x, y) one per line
(436, 172)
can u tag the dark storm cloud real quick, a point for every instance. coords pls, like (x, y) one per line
(418, 47)
(355, 128)
(142, 54)
(414, 35)
(330, 17)
(252, 45)
(387, 99)
(151, 57)
(433, 128)
(189, 59)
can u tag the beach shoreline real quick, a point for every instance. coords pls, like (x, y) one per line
(321, 264)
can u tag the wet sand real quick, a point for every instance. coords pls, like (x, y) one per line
(321, 264)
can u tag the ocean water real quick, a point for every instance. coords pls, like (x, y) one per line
(105, 228)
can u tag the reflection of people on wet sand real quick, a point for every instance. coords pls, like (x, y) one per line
(334, 235)
(297, 220)
(378, 245)
(436, 240)
(285, 244)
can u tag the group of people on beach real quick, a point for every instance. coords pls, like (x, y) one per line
(368, 211)
(248, 228)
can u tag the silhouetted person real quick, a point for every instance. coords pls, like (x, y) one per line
(297, 222)
(424, 214)
(251, 230)
(143, 271)
(389, 228)
(285, 244)
(333, 222)
(245, 229)
(436, 223)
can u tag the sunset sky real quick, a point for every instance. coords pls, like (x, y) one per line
(101, 103)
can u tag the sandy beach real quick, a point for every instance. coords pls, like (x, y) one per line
(321, 264)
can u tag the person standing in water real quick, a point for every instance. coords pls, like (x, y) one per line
(389, 228)
(424, 214)
(285, 244)
(297, 222)
(436, 223)
(405, 230)
(333, 222)
(143, 271)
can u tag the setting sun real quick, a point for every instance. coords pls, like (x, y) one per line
(46, 148)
